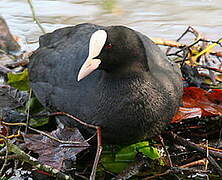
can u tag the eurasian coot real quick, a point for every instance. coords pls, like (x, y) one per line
(128, 86)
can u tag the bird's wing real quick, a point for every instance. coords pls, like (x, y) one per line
(54, 67)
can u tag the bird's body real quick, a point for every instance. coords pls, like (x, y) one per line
(135, 92)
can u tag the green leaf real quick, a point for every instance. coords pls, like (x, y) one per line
(110, 164)
(150, 152)
(121, 160)
(19, 80)
(38, 122)
(34, 105)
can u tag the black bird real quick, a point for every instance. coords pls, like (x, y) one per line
(128, 86)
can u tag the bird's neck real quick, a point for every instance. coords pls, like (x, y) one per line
(115, 84)
(135, 70)
(122, 76)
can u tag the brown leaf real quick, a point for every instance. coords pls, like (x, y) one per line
(3, 130)
(186, 113)
(54, 153)
(7, 41)
(198, 102)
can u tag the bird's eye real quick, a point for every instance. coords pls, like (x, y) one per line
(109, 46)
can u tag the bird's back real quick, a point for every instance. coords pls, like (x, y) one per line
(54, 67)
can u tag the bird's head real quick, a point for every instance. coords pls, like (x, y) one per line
(114, 49)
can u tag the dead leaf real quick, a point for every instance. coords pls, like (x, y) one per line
(218, 77)
(198, 102)
(52, 152)
(3, 130)
(186, 113)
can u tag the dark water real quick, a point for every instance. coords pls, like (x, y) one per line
(159, 18)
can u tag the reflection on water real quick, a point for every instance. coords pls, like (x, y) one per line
(160, 18)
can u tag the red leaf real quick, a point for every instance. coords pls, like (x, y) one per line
(186, 113)
(43, 172)
(198, 102)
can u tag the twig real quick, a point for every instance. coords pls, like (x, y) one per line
(11, 136)
(81, 176)
(56, 139)
(165, 42)
(211, 148)
(35, 19)
(211, 73)
(4, 70)
(195, 32)
(176, 170)
(184, 48)
(210, 68)
(28, 109)
(208, 48)
(10, 56)
(166, 151)
(215, 165)
(16, 64)
(158, 175)
(45, 134)
(216, 53)
(192, 145)
(168, 49)
(13, 124)
(6, 154)
(192, 170)
(98, 153)
(198, 162)
(14, 156)
(203, 151)
(185, 55)
(73, 117)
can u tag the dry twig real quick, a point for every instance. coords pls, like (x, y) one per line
(166, 151)
(192, 145)
(35, 19)
(6, 154)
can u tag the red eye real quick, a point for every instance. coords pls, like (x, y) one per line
(109, 46)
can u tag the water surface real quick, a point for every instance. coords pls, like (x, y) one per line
(159, 18)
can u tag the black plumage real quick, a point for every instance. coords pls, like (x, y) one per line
(133, 93)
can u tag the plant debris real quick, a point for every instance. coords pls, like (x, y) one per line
(54, 153)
